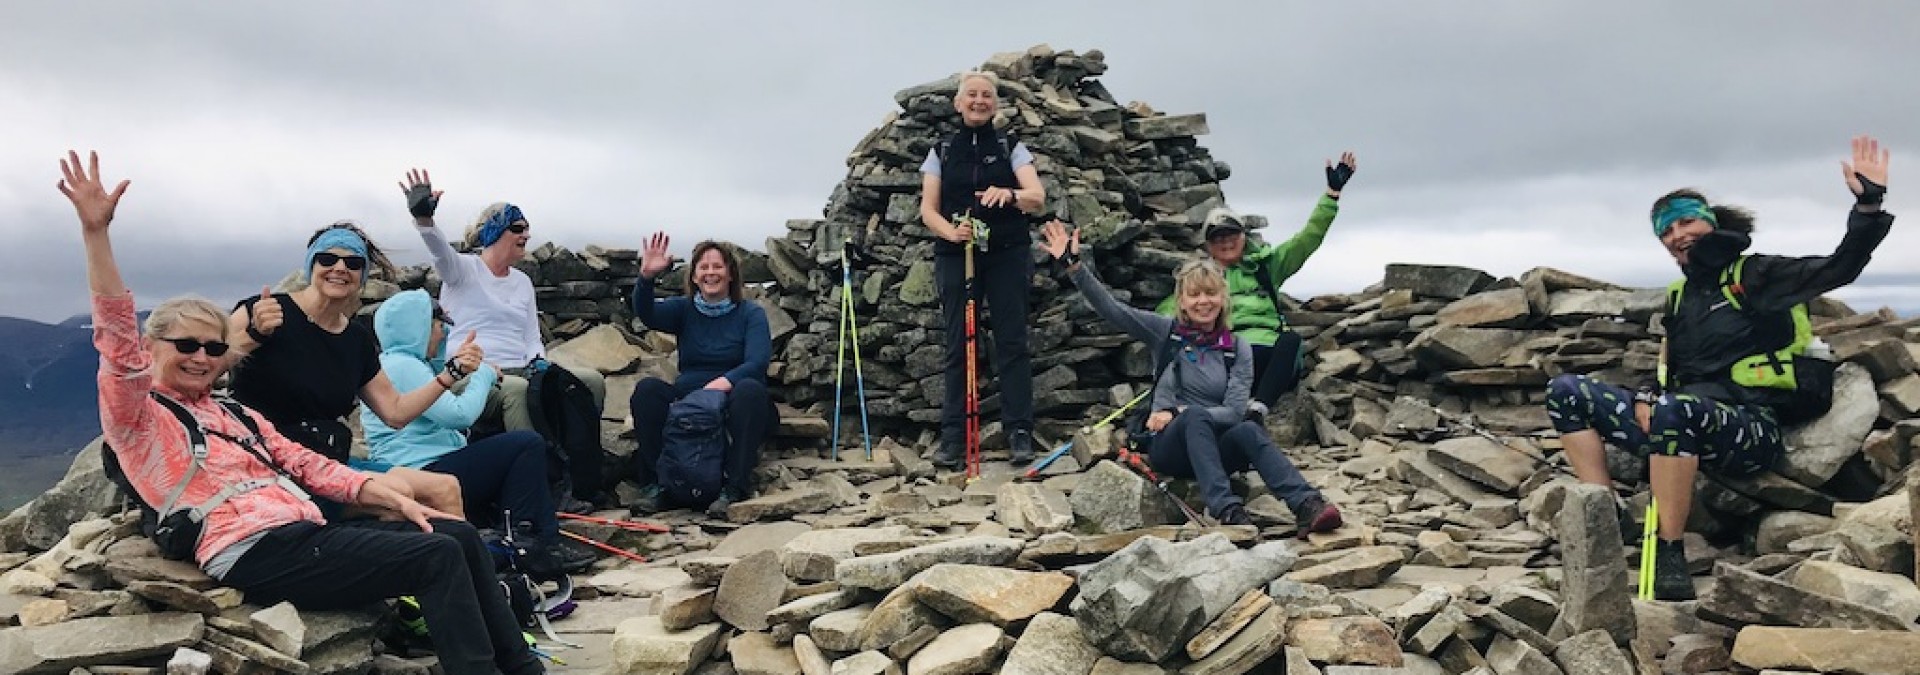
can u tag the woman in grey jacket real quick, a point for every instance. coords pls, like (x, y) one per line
(1200, 393)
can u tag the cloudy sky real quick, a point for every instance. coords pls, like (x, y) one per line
(1501, 135)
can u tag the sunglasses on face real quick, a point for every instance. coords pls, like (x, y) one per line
(214, 348)
(517, 228)
(354, 262)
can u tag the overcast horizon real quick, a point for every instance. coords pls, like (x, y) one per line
(1498, 135)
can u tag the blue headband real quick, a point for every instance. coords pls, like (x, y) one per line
(1680, 209)
(338, 237)
(496, 224)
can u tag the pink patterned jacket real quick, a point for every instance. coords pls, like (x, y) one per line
(154, 452)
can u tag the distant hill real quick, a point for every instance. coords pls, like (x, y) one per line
(47, 402)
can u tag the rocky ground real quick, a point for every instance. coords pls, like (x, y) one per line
(1469, 548)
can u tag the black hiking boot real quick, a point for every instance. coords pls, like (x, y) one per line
(948, 457)
(1316, 515)
(1234, 514)
(1020, 447)
(718, 509)
(648, 503)
(1671, 581)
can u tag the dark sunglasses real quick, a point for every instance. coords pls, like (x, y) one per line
(354, 262)
(517, 228)
(214, 348)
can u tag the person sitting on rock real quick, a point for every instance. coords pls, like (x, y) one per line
(1199, 400)
(724, 345)
(981, 174)
(1255, 273)
(487, 295)
(299, 359)
(263, 536)
(504, 474)
(1706, 411)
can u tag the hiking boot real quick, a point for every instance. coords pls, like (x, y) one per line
(947, 457)
(718, 509)
(570, 504)
(573, 559)
(1316, 515)
(1671, 581)
(1234, 514)
(648, 503)
(1020, 447)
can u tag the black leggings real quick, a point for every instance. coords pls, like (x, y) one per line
(1276, 368)
(348, 565)
(504, 473)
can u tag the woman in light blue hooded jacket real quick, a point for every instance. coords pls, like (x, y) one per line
(500, 474)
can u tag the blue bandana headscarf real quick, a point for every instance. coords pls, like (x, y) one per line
(338, 237)
(496, 224)
(1680, 209)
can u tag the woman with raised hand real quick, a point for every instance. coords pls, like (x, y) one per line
(300, 360)
(258, 531)
(725, 346)
(980, 176)
(1732, 330)
(1200, 390)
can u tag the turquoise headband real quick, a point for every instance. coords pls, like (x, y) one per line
(338, 237)
(1680, 209)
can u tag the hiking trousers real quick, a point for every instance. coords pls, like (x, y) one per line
(1196, 446)
(502, 473)
(1276, 368)
(349, 565)
(1733, 439)
(750, 417)
(1002, 279)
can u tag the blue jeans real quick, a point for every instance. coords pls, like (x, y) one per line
(1194, 446)
(1735, 439)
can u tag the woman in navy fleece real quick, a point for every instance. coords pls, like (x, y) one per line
(724, 345)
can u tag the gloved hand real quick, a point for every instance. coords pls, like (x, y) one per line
(1339, 173)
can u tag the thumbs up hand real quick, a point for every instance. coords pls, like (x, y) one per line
(267, 314)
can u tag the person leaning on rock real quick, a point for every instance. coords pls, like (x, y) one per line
(1711, 408)
(263, 536)
(981, 174)
(1255, 273)
(300, 360)
(1199, 401)
(484, 293)
(725, 345)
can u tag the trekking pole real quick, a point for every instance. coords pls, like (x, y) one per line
(630, 555)
(1647, 535)
(1062, 450)
(850, 257)
(973, 367)
(1133, 460)
(633, 525)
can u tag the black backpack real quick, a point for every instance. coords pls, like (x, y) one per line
(564, 413)
(177, 532)
(694, 449)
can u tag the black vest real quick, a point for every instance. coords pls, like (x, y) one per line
(974, 159)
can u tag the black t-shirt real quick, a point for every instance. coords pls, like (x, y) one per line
(304, 373)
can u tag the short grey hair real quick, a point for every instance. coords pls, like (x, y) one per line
(174, 311)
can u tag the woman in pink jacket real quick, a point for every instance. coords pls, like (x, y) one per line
(259, 532)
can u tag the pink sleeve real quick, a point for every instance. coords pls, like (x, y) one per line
(124, 380)
(319, 475)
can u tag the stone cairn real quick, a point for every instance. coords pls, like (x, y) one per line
(1469, 547)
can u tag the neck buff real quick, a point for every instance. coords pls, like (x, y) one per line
(1680, 209)
(1196, 339)
(496, 224)
(339, 237)
(711, 309)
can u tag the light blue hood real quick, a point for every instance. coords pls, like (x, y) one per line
(404, 323)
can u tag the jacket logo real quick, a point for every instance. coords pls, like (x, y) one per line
(1716, 306)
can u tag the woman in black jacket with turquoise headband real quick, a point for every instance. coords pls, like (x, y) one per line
(1730, 309)
(1199, 401)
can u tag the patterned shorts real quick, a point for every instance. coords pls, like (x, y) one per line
(1737, 439)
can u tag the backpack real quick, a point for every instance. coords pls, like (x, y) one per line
(1169, 350)
(694, 448)
(1807, 381)
(563, 412)
(176, 531)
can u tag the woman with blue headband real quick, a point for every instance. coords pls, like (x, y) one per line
(302, 361)
(1734, 368)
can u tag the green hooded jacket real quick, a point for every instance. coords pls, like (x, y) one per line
(1255, 317)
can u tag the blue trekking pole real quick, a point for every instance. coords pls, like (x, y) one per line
(849, 332)
(1064, 447)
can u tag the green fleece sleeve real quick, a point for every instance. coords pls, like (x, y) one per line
(1286, 258)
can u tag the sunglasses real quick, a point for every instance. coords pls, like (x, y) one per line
(517, 228)
(214, 348)
(354, 262)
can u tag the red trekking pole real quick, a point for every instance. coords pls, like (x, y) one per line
(1137, 463)
(973, 366)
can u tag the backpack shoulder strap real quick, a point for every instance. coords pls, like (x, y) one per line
(1731, 284)
(941, 149)
(1264, 276)
(1008, 140)
(196, 440)
(233, 407)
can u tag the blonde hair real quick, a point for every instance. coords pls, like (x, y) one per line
(185, 308)
(1203, 275)
(978, 74)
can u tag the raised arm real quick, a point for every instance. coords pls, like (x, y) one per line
(1142, 325)
(124, 378)
(1778, 282)
(1287, 258)
(661, 314)
(422, 201)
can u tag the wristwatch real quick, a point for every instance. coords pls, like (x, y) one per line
(1647, 395)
